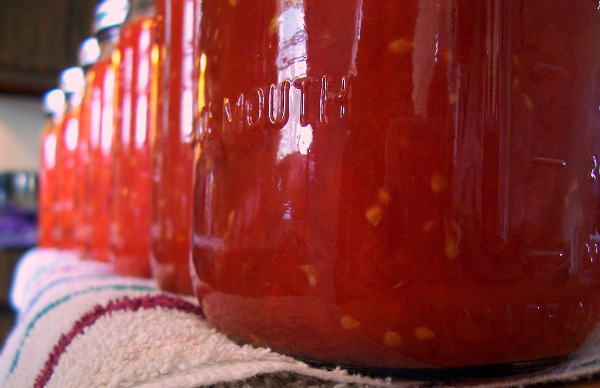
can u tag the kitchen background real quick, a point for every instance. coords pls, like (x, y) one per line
(37, 41)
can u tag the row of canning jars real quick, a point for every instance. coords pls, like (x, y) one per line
(394, 184)
(116, 172)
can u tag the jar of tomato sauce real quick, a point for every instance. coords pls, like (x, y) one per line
(72, 83)
(109, 15)
(53, 106)
(89, 51)
(131, 185)
(176, 40)
(400, 184)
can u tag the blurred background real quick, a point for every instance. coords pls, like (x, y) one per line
(37, 41)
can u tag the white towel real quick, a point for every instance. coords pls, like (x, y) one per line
(79, 325)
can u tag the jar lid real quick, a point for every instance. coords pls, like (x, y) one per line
(109, 13)
(54, 102)
(89, 51)
(72, 80)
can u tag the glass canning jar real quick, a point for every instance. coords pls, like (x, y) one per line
(131, 182)
(173, 159)
(400, 184)
(109, 16)
(53, 105)
(72, 83)
(89, 50)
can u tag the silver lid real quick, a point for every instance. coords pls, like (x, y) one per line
(110, 13)
(54, 102)
(89, 51)
(72, 80)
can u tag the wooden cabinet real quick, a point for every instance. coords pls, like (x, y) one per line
(38, 39)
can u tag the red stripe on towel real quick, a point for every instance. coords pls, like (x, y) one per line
(88, 319)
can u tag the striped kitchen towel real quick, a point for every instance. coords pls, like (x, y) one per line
(80, 325)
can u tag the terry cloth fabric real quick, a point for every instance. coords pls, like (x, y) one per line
(80, 325)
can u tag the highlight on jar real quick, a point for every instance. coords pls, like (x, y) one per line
(402, 188)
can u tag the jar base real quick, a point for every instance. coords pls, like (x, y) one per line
(447, 374)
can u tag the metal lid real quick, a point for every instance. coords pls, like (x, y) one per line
(54, 102)
(89, 51)
(109, 13)
(72, 80)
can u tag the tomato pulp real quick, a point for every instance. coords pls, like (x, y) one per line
(400, 184)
